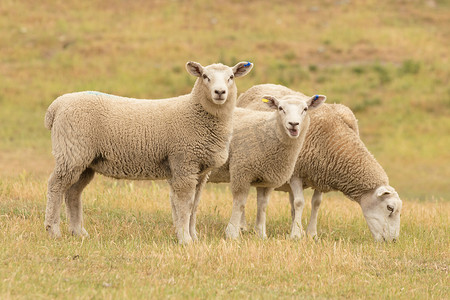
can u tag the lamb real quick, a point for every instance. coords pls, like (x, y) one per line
(333, 157)
(263, 152)
(179, 139)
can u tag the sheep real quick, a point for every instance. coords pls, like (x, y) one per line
(179, 139)
(263, 151)
(333, 157)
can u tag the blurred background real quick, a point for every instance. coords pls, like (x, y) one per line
(387, 60)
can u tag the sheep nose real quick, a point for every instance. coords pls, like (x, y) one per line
(293, 124)
(219, 92)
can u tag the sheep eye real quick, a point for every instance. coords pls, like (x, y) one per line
(205, 77)
(280, 108)
(231, 77)
(390, 208)
(305, 109)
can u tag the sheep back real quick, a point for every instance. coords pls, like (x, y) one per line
(136, 139)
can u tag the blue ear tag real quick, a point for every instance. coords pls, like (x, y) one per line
(247, 64)
(316, 97)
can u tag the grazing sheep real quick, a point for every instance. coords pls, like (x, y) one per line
(263, 152)
(333, 157)
(179, 139)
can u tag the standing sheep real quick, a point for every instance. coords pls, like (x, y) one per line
(179, 139)
(263, 152)
(333, 157)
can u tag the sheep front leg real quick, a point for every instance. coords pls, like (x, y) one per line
(182, 202)
(198, 189)
(298, 205)
(239, 199)
(315, 203)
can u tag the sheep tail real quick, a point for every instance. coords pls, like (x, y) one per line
(50, 115)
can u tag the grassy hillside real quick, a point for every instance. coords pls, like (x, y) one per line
(387, 60)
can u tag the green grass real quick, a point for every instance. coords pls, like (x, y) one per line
(388, 61)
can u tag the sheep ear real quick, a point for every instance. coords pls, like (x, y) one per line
(242, 68)
(316, 101)
(271, 101)
(383, 191)
(194, 68)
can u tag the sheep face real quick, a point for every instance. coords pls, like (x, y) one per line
(381, 209)
(218, 79)
(292, 110)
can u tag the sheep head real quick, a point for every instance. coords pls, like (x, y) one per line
(382, 208)
(218, 79)
(292, 110)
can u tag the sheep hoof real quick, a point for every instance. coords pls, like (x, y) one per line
(261, 233)
(53, 231)
(311, 232)
(79, 232)
(296, 235)
(313, 235)
(185, 241)
(184, 238)
(194, 236)
(232, 232)
(84, 233)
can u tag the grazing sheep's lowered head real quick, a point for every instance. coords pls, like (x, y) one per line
(218, 79)
(292, 111)
(381, 208)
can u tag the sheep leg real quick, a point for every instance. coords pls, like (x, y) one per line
(198, 189)
(239, 200)
(263, 195)
(58, 184)
(74, 205)
(243, 224)
(172, 203)
(315, 204)
(183, 202)
(299, 203)
(291, 201)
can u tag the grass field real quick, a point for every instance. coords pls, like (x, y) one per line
(388, 61)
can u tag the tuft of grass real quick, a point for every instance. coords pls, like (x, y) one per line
(409, 67)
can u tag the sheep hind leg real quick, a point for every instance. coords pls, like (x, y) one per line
(74, 205)
(198, 190)
(263, 195)
(315, 204)
(298, 205)
(58, 184)
(291, 201)
(243, 224)
(172, 203)
(239, 199)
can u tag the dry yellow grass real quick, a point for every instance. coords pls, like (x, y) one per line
(132, 250)
(387, 60)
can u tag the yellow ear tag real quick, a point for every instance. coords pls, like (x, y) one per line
(265, 100)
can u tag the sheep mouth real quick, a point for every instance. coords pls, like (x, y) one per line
(219, 100)
(293, 132)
